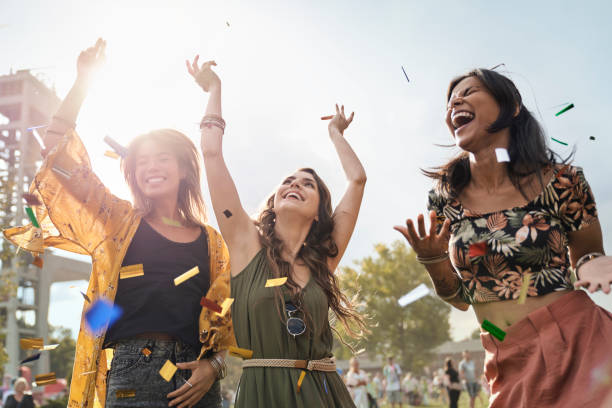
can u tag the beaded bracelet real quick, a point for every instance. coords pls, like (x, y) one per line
(212, 120)
(586, 258)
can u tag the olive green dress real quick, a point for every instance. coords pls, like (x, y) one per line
(258, 327)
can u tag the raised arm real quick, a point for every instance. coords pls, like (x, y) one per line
(347, 210)
(88, 63)
(237, 228)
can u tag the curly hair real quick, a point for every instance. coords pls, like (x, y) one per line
(318, 247)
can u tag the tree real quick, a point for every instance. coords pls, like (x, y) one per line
(408, 333)
(62, 358)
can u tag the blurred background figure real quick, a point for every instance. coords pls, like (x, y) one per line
(20, 399)
(356, 381)
(451, 379)
(467, 373)
(392, 373)
(410, 387)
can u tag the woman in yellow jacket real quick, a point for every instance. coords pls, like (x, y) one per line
(137, 251)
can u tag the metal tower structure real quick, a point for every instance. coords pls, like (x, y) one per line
(26, 102)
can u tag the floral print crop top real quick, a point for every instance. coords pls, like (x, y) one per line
(492, 252)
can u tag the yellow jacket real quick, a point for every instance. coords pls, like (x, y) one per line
(79, 214)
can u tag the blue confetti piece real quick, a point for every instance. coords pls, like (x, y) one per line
(30, 358)
(102, 313)
(36, 127)
(325, 384)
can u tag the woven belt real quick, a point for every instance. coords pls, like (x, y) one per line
(325, 364)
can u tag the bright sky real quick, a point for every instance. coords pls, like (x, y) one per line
(285, 63)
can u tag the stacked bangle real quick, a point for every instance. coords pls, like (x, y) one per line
(433, 259)
(451, 296)
(219, 365)
(586, 258)
(212, 120)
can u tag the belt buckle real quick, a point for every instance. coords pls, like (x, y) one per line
(309, 365)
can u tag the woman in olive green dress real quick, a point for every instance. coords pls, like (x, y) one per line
(297, 237)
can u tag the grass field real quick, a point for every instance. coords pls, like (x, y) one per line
(464, 402)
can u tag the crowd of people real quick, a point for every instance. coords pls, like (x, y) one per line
(395, 388)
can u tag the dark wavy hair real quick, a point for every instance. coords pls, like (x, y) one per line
(527, 149)
(318, 247)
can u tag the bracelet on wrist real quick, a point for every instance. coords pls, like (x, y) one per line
(586, 258)
(212, 120)
(454, 295)
(432, 259)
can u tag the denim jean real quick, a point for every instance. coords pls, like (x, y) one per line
(134, 379)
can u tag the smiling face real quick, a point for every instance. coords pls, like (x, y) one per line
(298, 193)
(470, 112)
(157, 171)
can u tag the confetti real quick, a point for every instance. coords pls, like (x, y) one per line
(102, 313)
(327, 117)
(171, 222)
(502, 155)
(405, 74)
(125, 393)
(209, 304)
(325, 385)
(131, 271)
(32, 217)
(494, 330)
(44, 379)
(360, 352)
(227, 213)
(36, 127)
(558, 141)
(112, 155)
(591, 137)
(120, 150)
(270, 283)
(49, 347)
(414, 295)
(88, 372)
(240, 352)
(187, 275)
(497, 66)
(524, 288)
(146, 352)
(227, 23)
(38, 138)
(300, 380)
(31, 343)
(38, 261)
(31, 199)
(31, 358)
(109, 353)
(167, 371)
(568, 107)
(86, 297)
(478, 249)
(225, 306)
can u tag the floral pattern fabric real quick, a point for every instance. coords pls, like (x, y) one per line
(493, 251)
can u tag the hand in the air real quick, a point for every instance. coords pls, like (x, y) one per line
(596, 274)
(203, 376)
(91, 60)
(339, 122)
(434, 244)
(203, 75)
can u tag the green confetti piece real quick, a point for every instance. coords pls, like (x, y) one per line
(32, 217)
(558, 141)
(568, 107)
(495, 331)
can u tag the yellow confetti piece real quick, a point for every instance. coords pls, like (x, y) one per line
(168, 370)
(300, 380)
(225, 306)
(187, 275)
(109, 357)
(171, 222)
(38, 261)
(45, 379)
(270, 283)
(31, 343)
(146, 352)
(524, 288)
(111, 154)
(131, 271)
(240, 352)
(125, 393)
(49, 347)
(359, 352)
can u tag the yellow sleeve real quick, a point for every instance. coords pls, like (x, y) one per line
(216, 332)
(78, 212)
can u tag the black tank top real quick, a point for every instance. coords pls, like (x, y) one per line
(152, 303)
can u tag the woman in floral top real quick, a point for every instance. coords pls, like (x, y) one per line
(508, 217)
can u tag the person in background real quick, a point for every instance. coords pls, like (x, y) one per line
(467, 373)
(410, 387)
(451, 379)
(374, 387)
(356, 381)
(392, 373)
(20, 399)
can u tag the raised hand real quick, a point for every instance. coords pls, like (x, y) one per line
(203, 376)
(339, 122)
(426, 245)
(203, 75)
(91, 60)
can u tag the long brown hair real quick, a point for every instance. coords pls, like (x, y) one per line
(318, 247)
(190, 203)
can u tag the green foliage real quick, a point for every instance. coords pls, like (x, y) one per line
(56, 403)
(409, 333)
(62, 358)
